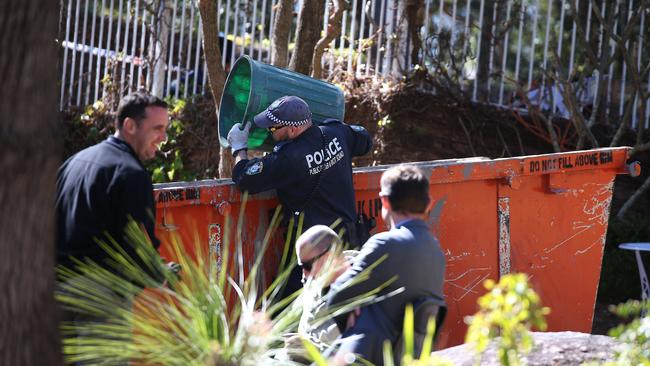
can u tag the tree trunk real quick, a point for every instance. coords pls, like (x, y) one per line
(160, 39)
(310, 22)
(400, 41)
(415, 20)
(280, 37)
(216, 73)
(410, 18)
(333, 31)
(29, 157)
(484, 55)
(390, 30)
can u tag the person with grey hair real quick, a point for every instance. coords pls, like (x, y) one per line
(320, 256)
(408, 258)
(317, 244)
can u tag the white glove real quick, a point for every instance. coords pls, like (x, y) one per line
(238, 136)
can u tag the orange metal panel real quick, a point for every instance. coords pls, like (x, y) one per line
(557, 236)
(544, 215)
(206, 214)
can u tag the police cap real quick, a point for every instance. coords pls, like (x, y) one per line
(288, 110)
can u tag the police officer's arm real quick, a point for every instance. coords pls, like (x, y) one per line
(361, 140)
(263, 174)
(240, 155)
(375, 253)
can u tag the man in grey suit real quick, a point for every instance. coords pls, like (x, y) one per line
(409, 259)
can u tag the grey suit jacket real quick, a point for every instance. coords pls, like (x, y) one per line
(414, 258)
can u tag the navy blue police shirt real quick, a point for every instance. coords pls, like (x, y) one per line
(292, 169)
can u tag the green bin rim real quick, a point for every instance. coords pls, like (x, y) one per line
(253, 69)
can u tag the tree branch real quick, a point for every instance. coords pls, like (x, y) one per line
(216, 73)
(333, 31)
(535, 113)
(640, 148)
(468, 136)
(308, 32)
(632, 200)
(571, 103)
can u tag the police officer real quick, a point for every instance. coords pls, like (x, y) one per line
(310, 167)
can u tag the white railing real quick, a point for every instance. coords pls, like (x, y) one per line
(493, 46)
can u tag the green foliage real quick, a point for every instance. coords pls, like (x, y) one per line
(189, 153)
(384, 122)
(634, 337)
(508, 311)
(97, 117)
(212, 314)
(191, 321)
(168, 166)
(314, 353)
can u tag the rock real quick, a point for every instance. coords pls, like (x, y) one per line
(550, 348)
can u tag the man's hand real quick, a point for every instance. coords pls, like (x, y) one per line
(295, 347)
(293, 341)
(238, 136)
(175, 269)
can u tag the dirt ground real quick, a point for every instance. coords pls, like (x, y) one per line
(550, 348)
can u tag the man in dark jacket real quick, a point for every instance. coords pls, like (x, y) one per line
(310, 167)
(100, 188)
(408, 258)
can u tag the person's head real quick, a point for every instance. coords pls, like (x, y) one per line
(285, 119)
(404, 191)
(142, 121)
(314, 247)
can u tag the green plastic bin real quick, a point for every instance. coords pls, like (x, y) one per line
(252, 86)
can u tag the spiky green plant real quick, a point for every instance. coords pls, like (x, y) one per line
(507, 312)
(409, 358)
(190, 320)
(208, 316)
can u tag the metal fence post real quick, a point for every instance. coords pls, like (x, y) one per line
(488, 30)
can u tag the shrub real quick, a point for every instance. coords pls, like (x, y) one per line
(634, 348)
(193, 320)
(508, 311)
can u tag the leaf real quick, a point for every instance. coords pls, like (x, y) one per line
(313, 353)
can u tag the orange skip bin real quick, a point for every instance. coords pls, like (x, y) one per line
(544, 215)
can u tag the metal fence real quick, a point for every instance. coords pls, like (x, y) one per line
(488, 47)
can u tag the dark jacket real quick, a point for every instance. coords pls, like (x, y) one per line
(413, 261)
(98, 189)
(294, 166)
